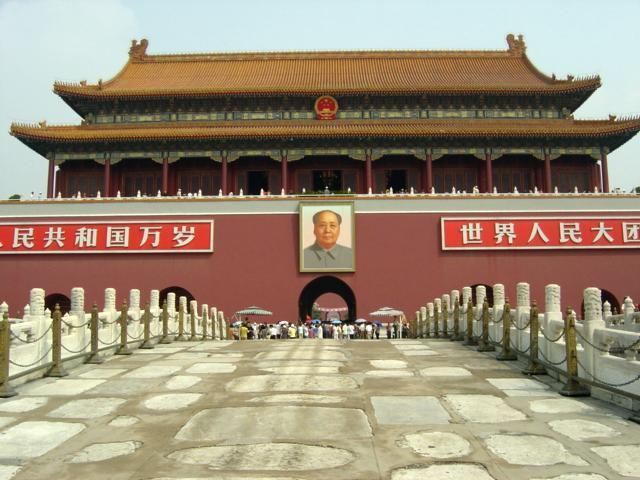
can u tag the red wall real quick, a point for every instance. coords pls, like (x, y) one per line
(399, 263)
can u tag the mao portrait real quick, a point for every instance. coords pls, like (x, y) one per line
(327, 237)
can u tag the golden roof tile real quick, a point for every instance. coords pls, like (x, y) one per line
(337, 73)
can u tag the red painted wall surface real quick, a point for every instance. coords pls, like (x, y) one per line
(399, 263)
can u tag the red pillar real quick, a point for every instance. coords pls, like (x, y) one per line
(605, 170)
(367, 166)
(107, 178)
(51, 179)
(599, 176)
(224, 173)
(488, 172)
(284, 170)
(165, 175)
(428, 173)
(547, 172)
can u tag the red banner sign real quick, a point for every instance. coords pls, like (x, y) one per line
(106, 237)
(517, 233)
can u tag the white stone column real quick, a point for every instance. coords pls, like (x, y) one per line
(205, 318)
(154, 302)
(223, 325)
(134, 304)
(430, 312)
(36, 302)
(171, 304)
(109, 300)
(593, 318)
(423, 321)
(481, 295)
(628, 309)
(446, 300)
(215, 324)
(76, 311)
(552, 311)
(523, 312)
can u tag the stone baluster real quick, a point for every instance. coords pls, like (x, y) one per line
(552, 311)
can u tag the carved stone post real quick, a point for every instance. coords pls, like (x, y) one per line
(165, 324)
(181, 306)
(56, 370)
(205, 320)
(484, 344)
(552, 311)
(147, 344)
(470, 339)
(572, 388)
(534, 367)
(507, 353)
(5, 350)
(445, 316)
(430, 315)
(437, 304)
(123, 349)
(423, 321)
(94, 326)
(193, 314)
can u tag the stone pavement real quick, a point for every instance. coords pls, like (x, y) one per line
(312, 409)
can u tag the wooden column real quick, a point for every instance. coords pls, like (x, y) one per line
(106, 187)
(547, 172)
(284, 171)
(488, 171)
(605, 169)
(428, 173)
(368, 175)
(165, 175)
(599, 177)
(224, 173)
(51, 179)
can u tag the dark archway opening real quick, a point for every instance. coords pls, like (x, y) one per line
(52, 299)
(327, 284)
(179, 291)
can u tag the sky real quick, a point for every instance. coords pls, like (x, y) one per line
(42, 41)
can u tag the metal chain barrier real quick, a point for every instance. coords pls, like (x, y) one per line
(107, 344)
(76, 351)
(614, 385)
(17, 337)
(70, 325)
(16, 364)
(607, 350)
(517, 350)
(515, 324)
(133, 337)
(546, 360)
(550, 339)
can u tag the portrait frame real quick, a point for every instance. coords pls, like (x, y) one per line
(346, 242)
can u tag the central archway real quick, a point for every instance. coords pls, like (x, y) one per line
(321, 285)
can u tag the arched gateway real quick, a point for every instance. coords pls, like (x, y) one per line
(326, 284)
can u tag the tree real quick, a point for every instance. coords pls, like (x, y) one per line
(15, 196)
(636, 190)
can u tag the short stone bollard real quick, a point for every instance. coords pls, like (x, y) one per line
(205, 319)
(123, 349)
(192, 336)
(147, 344)
(445, 320)
(534, 367)
(507, 353)
(469, 338)
(572, 388)
(56, 370)
(484, 345)
(180, 336)
(94, 357)
(5, 348)
(436, 321)
(165, 324)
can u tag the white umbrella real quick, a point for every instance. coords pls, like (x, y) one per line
(387, 312)
(254, 311)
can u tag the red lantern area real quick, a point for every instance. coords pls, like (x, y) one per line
(326, 108)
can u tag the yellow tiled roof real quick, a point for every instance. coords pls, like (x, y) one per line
(336, 73)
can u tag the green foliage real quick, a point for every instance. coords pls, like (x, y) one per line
(636, 190)
(15, 196)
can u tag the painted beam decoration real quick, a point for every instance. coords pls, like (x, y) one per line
(539, 233)
(106, 237)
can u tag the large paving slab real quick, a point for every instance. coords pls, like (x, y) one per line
(310, 410)
(268, 424)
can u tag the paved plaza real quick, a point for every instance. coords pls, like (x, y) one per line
(311, 409)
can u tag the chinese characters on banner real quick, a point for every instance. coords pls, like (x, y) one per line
(518, 233)
(106, 237)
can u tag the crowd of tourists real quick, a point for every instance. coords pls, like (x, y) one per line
(341, 331)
